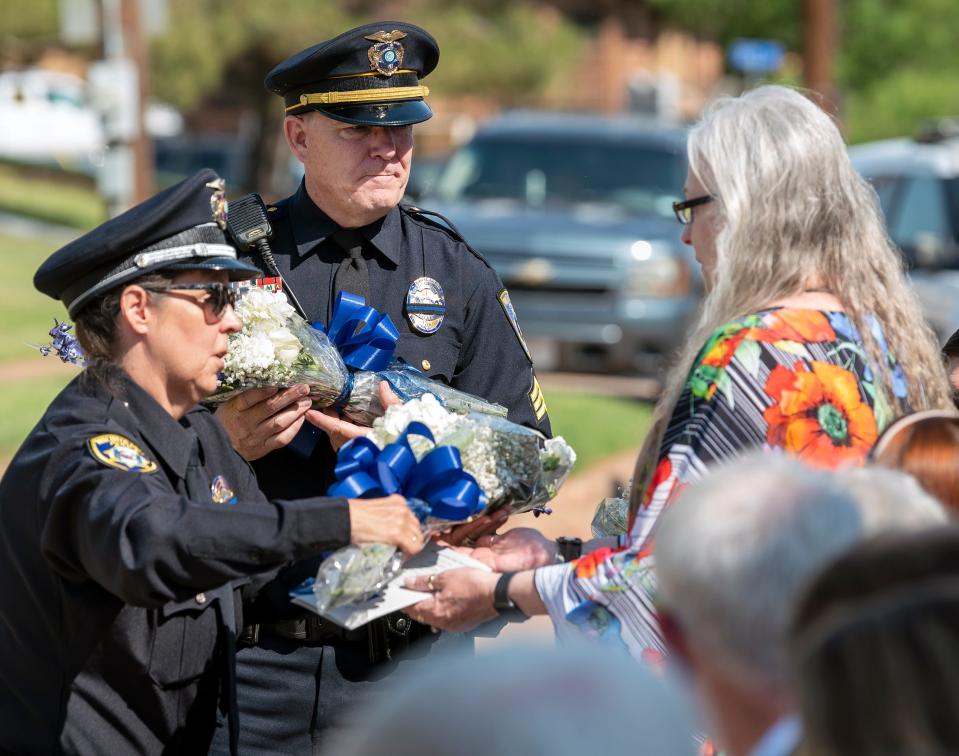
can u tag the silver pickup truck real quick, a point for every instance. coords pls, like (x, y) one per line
(574, 212)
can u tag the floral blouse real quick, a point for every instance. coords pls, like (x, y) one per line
(793, 379)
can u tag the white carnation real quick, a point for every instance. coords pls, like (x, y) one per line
(285, 345)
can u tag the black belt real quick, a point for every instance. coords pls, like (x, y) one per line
(384, 637)
(306, 630)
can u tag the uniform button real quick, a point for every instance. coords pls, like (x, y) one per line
(201, 598)
(402, 623)
(426, 365)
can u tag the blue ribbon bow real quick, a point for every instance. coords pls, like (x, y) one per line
(365, 338)
(363, 471)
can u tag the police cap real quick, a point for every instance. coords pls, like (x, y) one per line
(369, 75)
(181, 228)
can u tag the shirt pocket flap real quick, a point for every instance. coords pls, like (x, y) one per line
(435, 356)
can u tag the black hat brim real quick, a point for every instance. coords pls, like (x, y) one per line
(380, 114)
(237, 270)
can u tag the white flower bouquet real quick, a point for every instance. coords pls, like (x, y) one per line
(513, 466)
(276, 347)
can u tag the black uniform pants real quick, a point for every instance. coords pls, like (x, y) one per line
(292, 695)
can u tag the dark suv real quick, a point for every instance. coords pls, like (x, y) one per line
(918, 185)
(575, 214)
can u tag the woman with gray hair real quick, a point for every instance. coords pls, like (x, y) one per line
(810, 341)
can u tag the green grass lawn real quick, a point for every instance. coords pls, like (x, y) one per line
(21, 405)
(25, 314)
(47, 199)
(597, 426)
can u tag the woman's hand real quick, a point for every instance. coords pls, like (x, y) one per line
(388, 521)
(261, 420)
(515, 550)
(461, 600)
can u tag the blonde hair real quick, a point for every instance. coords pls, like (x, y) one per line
(793, 213)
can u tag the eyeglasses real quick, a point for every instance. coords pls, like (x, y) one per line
(219, 295)
(684, 209)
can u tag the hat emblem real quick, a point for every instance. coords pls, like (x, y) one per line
(386, 56)
(218, 204)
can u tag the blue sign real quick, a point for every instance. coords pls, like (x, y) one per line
(755, 56)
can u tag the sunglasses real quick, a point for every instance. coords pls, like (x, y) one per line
(684, 209)
(219, 295)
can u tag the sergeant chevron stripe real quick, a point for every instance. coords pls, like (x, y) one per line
(537, 399)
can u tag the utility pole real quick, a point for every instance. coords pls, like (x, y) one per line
(137, 50)
(119, 84)
(820, 42)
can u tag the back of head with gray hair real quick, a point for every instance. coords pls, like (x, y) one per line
(736, 550)
(524, 701)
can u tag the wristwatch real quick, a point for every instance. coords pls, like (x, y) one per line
(569, 549)
(501, 600)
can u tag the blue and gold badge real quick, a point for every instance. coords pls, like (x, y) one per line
(386, 56)
(218, 203)
(507, 306)
(425, 305)
(220, 491)
(114, 450)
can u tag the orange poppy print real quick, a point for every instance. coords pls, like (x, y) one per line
(586, 566)
(801, 326)
(819, 415)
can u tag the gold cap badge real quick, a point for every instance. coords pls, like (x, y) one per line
(386, 56)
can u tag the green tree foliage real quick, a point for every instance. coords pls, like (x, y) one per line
(206, 36)
(24, 20)
(507, 51)
(488, 47)
(897, 60)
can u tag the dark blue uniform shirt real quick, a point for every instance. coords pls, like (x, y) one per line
(115, 573)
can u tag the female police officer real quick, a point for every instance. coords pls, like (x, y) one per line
(128, 522)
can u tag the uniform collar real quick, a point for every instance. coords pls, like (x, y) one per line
(311, 226)
(168, 438)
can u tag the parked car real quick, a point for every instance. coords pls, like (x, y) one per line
(47, 119)
(575, 213)
(917, 181)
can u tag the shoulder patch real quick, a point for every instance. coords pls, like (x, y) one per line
(503, 299)
(114, 450)
(537, 400)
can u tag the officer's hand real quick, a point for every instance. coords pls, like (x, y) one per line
(461, 600)
(339, 430)
(386, 520)
(515, 550)
(261, 420)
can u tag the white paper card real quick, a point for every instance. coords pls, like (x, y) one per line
(433, 559)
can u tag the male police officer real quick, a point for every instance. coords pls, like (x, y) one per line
(350, 104)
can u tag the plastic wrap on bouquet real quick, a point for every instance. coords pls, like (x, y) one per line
(611, 518)
(343, 364)
(450, 467)
(438, 490)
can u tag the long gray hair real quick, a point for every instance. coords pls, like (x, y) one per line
(794, 214)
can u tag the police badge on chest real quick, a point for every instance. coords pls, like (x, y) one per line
(425, 305)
